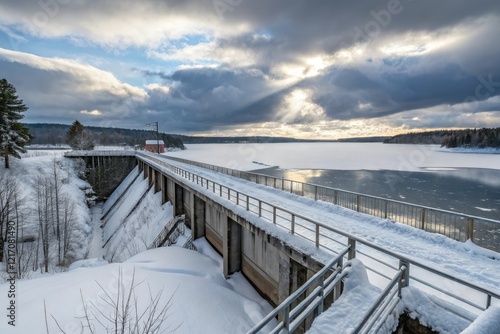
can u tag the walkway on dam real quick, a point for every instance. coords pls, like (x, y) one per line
(462, 260)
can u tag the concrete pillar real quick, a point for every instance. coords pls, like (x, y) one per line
(157, 181)
(198, 214)
(231, 247)
(284, 277)
(151, 175)
(164, 190)
(178, 200)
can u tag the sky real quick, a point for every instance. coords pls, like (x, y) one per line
(305, 69)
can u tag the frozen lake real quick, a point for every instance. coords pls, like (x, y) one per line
(419, 174)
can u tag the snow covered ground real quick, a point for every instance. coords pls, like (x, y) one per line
(34, 175)
(201, 300)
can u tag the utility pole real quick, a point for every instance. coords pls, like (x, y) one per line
(155, 127)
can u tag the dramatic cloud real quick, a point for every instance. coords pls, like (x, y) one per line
(295, 68)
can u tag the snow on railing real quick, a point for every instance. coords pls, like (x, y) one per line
(333, 240)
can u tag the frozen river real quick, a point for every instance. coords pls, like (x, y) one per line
(420, 174)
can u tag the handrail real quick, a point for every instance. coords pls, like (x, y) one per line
(243, 200)
(373, 313)
(166, 231)
(289, 316)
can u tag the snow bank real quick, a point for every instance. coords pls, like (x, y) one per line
(440, 316)
(477, 150)
(487, 323)
(202, 301)
(35, 172)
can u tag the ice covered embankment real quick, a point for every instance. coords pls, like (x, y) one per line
(134, 216)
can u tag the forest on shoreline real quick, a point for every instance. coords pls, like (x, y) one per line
(467, 138)
(55, 134)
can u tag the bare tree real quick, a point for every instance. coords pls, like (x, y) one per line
(43, 193)
(8, 192)
(68, 222)
(120, 313)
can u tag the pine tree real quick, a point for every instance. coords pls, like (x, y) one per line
(13, 135)
(78, 138)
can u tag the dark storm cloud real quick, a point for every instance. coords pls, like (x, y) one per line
(309, 26)
(341, 91)
(274, 33)
(204, 98)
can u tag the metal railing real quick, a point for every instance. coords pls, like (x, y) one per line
(382, 263)
(313, 303)
(169, 233)
(383, 306)
(483, 232)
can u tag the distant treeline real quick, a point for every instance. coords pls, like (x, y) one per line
(364, 139)
(223, 140)
(265, 139)
(55, 134)
(451, 138)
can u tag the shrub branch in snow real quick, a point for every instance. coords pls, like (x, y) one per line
(121, 313)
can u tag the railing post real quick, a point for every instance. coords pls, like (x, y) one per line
(320, 307)
(286, 320)
(357, 203)
(260, 208)
(469, 230)
(404, 281)
(315, 193)
(274, 215)
(385, 210)
(282, 183)
(352, 249)
(335, 197)
(237, 198)
(422, 219)
(229, 194)
(317, 236)
(248, 203)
